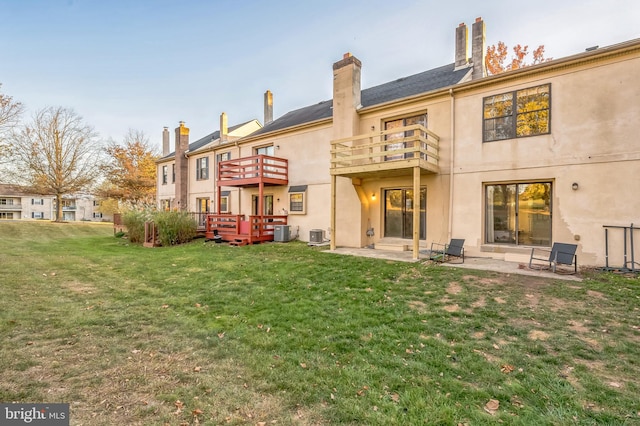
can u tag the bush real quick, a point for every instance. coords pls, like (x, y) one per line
(174, 227)
(134, 221)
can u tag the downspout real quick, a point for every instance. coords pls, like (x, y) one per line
(451, 164)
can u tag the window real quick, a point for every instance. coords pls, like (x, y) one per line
(37, 201)
(401, 135)
(6, 215)
(297, 198)
(37, 215)
(517, 114)
(223, 157)
(224, 202)
(96, 203)
(202, 168)
(97, 215)
(165, 205)
(6, 201)
(164, 175)
(518, 213)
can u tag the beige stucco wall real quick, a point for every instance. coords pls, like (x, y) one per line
(165, 191)
(203, 188)
(593, 142)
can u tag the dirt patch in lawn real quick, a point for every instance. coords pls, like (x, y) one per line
(454, 288)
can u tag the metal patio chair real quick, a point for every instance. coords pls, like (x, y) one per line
(560, 254)
(446, 252)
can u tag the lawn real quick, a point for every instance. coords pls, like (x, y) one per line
(286, 334)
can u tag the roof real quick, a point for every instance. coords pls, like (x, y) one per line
(404, 87)
(194, 146)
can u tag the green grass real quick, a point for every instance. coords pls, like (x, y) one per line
(288, 334)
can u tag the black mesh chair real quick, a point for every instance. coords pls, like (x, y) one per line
(447, 252)
(560, 254)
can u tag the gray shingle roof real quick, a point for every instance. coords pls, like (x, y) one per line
(193, 146)
(404, 87)
(423, 82)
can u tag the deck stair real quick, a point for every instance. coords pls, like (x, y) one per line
(239, 242)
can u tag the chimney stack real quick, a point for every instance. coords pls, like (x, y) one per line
(268, 107)
(165, 141)
(478, 50)
(224, 128)
(182, 166)
(462, 59)
(346, 96)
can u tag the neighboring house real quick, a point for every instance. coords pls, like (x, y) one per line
(18, 203)
(508, 162)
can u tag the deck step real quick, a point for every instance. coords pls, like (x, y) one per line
(391, 247)
(238, 242)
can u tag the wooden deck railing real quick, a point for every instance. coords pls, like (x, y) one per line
(253, 170)
(398, 148)
(255, 229)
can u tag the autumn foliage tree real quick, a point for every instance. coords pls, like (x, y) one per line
(130, 172)
(496, 60)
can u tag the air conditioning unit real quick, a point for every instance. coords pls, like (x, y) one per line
(281, 233)
(316, 236)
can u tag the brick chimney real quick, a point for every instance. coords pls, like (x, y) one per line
(268, 107)
(346, 96)
(165, 142)
(224, 128)
(182, 167)
(462, 60)
(478, 51)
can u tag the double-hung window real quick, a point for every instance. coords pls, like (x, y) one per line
(517, 114)
(164, 175)
(202, 168)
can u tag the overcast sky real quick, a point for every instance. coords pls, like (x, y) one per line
(145, 64)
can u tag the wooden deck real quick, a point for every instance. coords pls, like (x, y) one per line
(240, 231)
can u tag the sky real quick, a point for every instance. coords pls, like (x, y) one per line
(146, 64)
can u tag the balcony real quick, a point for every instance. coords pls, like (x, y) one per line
(68, 208)
(11, 207)
(252, 171)
(393, 152)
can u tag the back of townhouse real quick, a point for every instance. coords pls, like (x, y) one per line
(508, 162)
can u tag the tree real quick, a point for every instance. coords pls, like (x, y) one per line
(10, 112)
(131, 170)
(56, 154)
(497, 55)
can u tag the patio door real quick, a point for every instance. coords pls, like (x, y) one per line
(398, 213)
(203, 205)
(267, 205)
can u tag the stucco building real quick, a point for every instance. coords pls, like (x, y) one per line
(17, 203)
(508, 162)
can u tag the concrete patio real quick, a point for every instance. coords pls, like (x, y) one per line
(478, 263)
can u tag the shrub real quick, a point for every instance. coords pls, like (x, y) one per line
(174, 227)
(134, 221)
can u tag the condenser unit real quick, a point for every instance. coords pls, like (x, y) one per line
(281, 233)
(316, 236)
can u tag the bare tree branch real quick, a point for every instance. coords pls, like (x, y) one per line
(56, 154)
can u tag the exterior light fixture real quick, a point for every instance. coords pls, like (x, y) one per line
(373, 196)
(574, 186)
